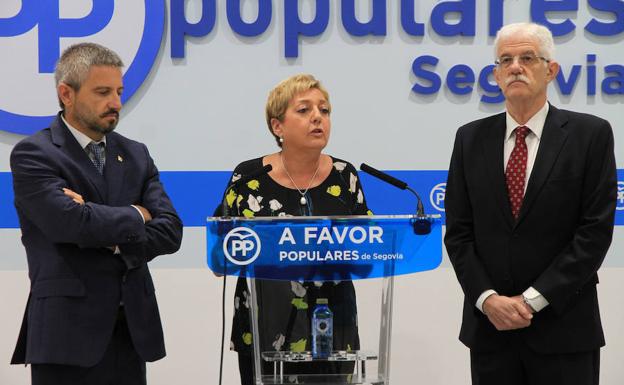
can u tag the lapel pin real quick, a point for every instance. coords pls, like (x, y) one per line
(119, 158)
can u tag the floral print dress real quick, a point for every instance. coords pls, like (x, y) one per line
(285, 307)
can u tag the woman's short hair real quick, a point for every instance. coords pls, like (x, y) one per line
(284, 92)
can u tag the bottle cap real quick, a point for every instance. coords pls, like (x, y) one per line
(321, 301)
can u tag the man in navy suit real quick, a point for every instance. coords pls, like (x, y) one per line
(530, 203)
(93, 213)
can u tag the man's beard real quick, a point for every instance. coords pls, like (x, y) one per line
(94, 124)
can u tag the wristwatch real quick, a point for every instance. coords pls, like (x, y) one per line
(528, 300)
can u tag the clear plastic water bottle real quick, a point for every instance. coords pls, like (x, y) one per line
(322, 330)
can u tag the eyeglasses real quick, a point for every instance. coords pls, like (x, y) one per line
(526, 59)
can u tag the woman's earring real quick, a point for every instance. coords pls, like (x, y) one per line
(281, 140)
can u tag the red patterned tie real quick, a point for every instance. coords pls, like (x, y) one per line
(515, 173)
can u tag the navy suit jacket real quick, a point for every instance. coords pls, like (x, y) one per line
(556, 245)
(77, 282)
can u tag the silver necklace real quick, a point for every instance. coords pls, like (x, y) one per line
(303, 199)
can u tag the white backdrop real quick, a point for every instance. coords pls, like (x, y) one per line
(205, 112)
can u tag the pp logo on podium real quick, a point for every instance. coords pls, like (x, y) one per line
(241, 246)
(620, 196)
(33, 33)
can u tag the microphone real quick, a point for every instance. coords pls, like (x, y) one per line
(225, 212)
(422, 225)
(385, 177)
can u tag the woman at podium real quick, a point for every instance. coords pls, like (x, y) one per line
(303, 181)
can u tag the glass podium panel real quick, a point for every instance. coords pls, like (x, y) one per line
(359, 359)
(289, 263)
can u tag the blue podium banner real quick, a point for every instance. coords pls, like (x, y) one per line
(323, 248)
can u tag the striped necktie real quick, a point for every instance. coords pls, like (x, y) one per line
(97, 152)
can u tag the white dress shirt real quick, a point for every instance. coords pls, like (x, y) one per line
(536, 126)
(84, 141)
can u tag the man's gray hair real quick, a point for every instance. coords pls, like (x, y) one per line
(76, 61)
(536, 31)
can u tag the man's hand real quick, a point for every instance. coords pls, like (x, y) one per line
(526, 306)
(507, 313)
(146, 214)
(74, 196)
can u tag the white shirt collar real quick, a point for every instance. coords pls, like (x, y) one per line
(536, 123)
(82, 139)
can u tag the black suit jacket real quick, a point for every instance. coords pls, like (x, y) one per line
(558, 242)
(77, 282)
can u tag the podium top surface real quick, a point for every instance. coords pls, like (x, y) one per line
(311, 218)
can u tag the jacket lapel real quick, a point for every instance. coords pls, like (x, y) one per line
(551, 143)
(114, 169)
(493, 144)
(62, 137)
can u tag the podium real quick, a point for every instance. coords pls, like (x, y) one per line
(322, 249)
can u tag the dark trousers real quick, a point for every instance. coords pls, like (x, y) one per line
(246, 368)
(518, 364)
(121, 365)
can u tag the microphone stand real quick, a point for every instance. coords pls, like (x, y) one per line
(225, 213)
(421, 225)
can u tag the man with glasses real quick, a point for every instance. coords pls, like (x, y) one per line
(530, 202)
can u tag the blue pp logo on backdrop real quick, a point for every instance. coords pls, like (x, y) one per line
(437, 195)
(34, 33)
(241, 246)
